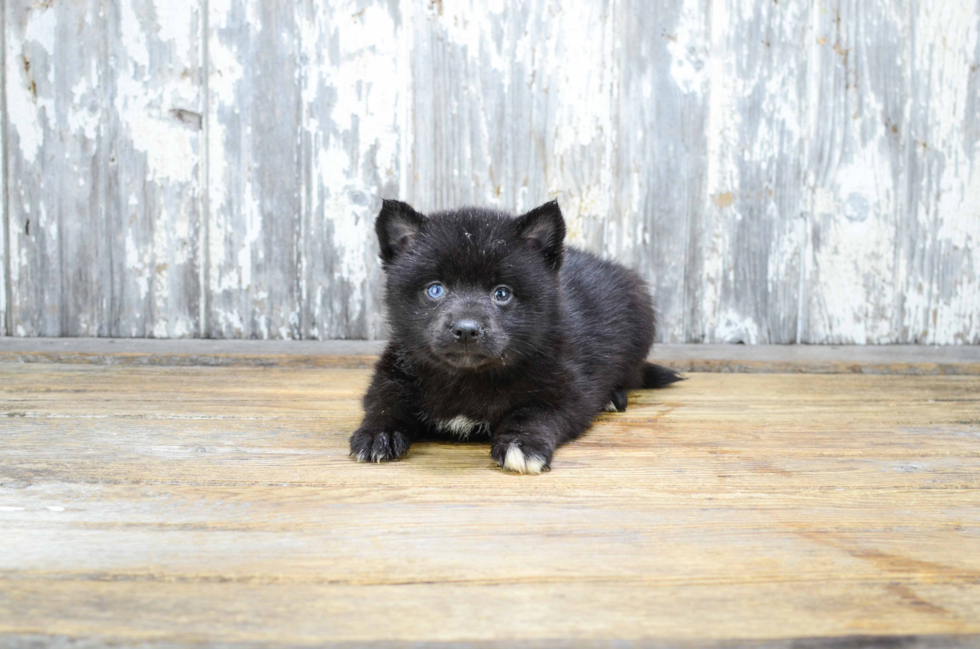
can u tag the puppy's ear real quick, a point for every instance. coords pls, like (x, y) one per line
(543, 229)
(397, 226)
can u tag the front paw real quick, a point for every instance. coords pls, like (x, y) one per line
(521, 454)
(369, 444)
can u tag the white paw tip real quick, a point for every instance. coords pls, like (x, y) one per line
(361, 457)
(610, 407)
(516, 461)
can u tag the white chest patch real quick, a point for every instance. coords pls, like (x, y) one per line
(462, 427)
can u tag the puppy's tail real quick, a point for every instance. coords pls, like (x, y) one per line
(658, 376)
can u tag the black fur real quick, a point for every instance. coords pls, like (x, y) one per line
(573, 337)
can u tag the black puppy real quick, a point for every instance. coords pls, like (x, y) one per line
(497, 329)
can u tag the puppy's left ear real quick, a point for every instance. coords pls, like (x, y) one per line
(543, 229)
(397, 226)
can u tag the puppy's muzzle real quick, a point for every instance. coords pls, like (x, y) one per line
(467, 331)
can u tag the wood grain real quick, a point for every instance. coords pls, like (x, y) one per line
(752, 238)
(352, 146)
(660, 153)
(857, 169)
(940, 283)
(57, 155)
(517, 114)
(153, 123)
(103, 165)
(192, 505)
(255, 171)
(4, 216)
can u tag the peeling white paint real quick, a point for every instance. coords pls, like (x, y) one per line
(578, 172)
(465, 25)
(171, 152)
(170, 147)
(24, 111)
(847, 199)
(720, 180)
(175, 24)
(224, 75)
(4, 222)
(87, 118)
(151, 111)
(234, 207)
(3, 265)
(133, 39)
(854, 255)
(136, 265)
(366, 100)
(687, 66)
(947, 307)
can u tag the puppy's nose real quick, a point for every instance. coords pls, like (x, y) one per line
(466, 331)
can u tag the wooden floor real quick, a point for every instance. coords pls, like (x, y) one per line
(180, 505)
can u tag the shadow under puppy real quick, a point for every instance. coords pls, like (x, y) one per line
(497, 329)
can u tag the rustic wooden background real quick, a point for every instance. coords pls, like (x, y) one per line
(782, 171)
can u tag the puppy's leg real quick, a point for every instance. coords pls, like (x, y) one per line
(525, 441)
(390, 423)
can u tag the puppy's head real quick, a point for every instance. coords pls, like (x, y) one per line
(471, 289)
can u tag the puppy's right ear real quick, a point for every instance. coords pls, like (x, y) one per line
(397, 226)
(543, 229)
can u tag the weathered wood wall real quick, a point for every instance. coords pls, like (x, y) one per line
(781, 171)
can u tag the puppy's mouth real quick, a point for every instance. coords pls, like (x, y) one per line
(465, 360)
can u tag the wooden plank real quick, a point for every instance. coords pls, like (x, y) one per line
(255, 170)
(856, 169)
(153, 118)
(938, 278)
(660, 127)
(964, 641)
(355, 94)
(56, 152)
(334, 614)
(200, 505)
(855, 641)
(580, 83)
(102, 171)
(4, 275)
(4, 218)
(514, 104)
(562, 89)
(461, 72)
(753, 236)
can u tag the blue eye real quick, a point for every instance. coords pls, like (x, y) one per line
(502, 295)
(435, 291)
